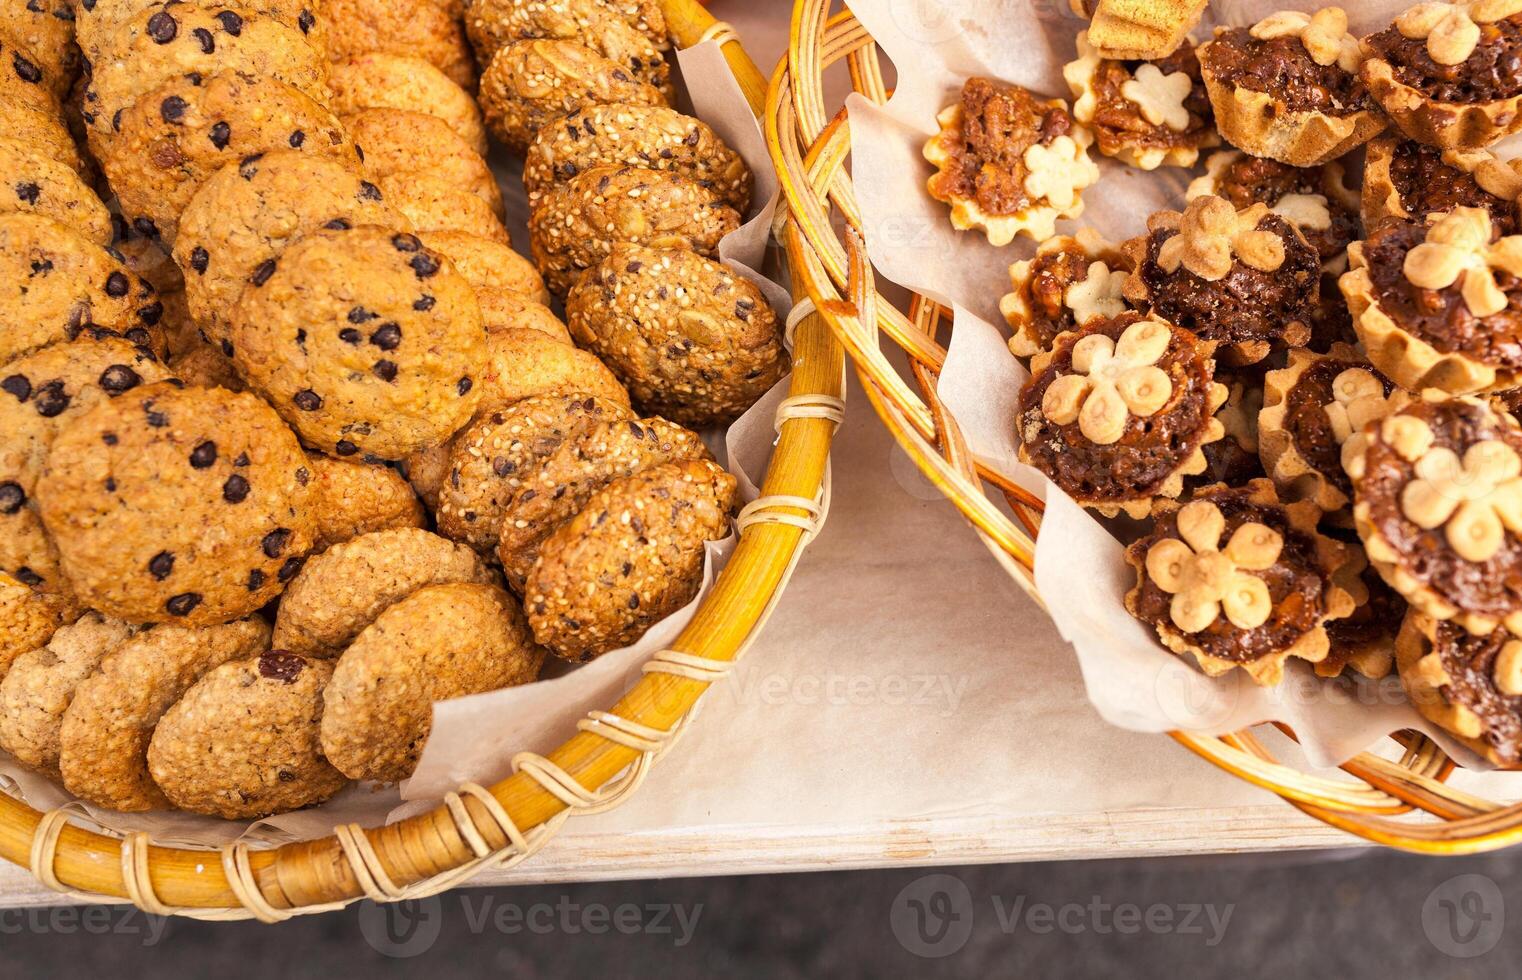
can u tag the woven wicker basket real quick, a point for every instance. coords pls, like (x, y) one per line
(478, 827)
(1405, 803)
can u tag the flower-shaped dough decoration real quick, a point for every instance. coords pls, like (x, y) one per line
(1057, 171)
(1324, 34)
(1205, 580)
(1111, 382)
(1358, 398)
(1211, 234)
(1159, 97)
(1097, 294)
(1458, 246)
(1452, 30)
(1475, 499)
(1308, 212)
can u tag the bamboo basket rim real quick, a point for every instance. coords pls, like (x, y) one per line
(1405, 804)
(603, 764)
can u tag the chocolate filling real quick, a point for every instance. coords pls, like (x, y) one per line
(1118, 123)
(1254, 180)
(1282, 68)
(1469, 661)
(1373, 621)
(999, 123)
(1308, 425)
(1493, 71)
(1426, 185)
(1050, 276)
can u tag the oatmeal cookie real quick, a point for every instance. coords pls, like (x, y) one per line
(401, 142)
(44, 29)
(43, 131)
(99, 21)
(485, 262)
(528, 362)
(24, 80)
(430, 204)
(377, 80)
(28, 619)
(351, 498)
(35, 183)
(421, 30)
(502, 309)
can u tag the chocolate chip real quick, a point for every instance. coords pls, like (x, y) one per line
(151, 313)
(360, 315)
(423, 303)
(387, 336)
(246, 167)
(274, 542)
(220, 135)
(305, 21)
(204, 39)
(281, 665)
(26, 576)
(119, 378)
(385, 370)
(203, 455)
(146, 227)
(117, 285)
(227, 348)
(255, 579)
(262, 272)
(182, 604)
(633, 601)
(110, 484)
(199, 259)
(161, 564)
(116, 120)
(345, 448)
(297, 138)
(368, 191)
(307, 400)
(464, 386)
(18, 386)
(11, 497)
(404, 242)
(162, 28)
(157, 420)
(301, 338)
(231, 22)
(109, 438)
(350, 336)
(51, 399)
(235, 490)
(172, 109)
(241, 459)
(289, 570)
(338, 224)
(28, 192)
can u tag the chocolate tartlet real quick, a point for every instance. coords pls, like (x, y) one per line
(1404, 179)
(1470, 686)
(1071, 279)
(1317, 200)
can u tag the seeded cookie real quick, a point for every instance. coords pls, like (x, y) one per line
(243, 742)
(43, 131)
(591, 22)
(494, 24)
(694, 342)
(245, 216)
(100, 20)
(343, 589)
(376, 80)
(350, 498)
(54, 282)
(363, 340)
(24, 80)
(532, 83)
(485, 262)
(502, 309)
(422, 30)
(34, 183)
(561, 484)
(176, 136)
(28, 619)
(176, 504)
(430, 204)
(633, 556)
(403, 142)
(107, 726)
(45, 30)
(441, 642)
(40, 684)
(493, 460)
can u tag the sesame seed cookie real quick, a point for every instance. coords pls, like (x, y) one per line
(495, 458)
(176, 504)
(28, 619)
(695, 342)
(40, 684)
(532, 83)
(243, 742)
(441, 642)
(99, 21)
(351, 498)
(54, 282)
(377, 80)
(45, 30)
(494, 24)
(245, 216)
(43, 131)
(431, 204)
(484, 262)
(24, 80)
(531, 362)
(591, 22)
(34, 183)
(502, 309)
(107, 726)
(342, 590)
(632, 557)
(363, 340)
(175, 39)
(653, 136)
(401, 141)
(422, 30)
(175, 137)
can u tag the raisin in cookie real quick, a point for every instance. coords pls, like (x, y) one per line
(377, 80)
(350, 498)
(530, 84)
(35, 183)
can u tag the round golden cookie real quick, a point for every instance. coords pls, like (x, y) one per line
(107, 726)
(176, 504)
(40, 684)
(503, 309)
(245, 216)
(45, 30)
(404, 142)
(363, 340)
(492, 460)
(35, 183)
(28, 619)
(175, 137)
(577, 223)
(487, 262)
(100, 20)
(440, 642)
(528, 362)
(377, 80)
(431, 204)
(343, 589)
(25, 80)
(694, 341)
(405, 27)
(44, 132)
(594, 23)
(243, 742)
(531, 84)
(350, 498)
(205, 365)
(54, 282)
(632, 557)
(494, 24)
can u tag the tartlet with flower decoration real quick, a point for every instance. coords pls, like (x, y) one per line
(1237, 579)
(1069, 280)
(1406, 179)
(1116, 414)
(1470, 686)
(1312, 410)
(1364, 640)
(1147, 114)
(1438, 303)
(1288, 87)
(1450, 74)
(1009, 163)
(1128, 29)
(1437, 500)
(1246, 279)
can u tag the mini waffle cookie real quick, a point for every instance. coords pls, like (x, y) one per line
(244, 742)
(1117, 413)
(1071, 279)
(576, 224)
(43, 132)
(1364, 640)
(503, 309)
(1244, 279)
(1008, 163)
(532, 83)
(441, 642)
(400, 141)
(1437, 494)
(1235, 578)
(651, 136)
(106, 728)
(430, 204)
(44, 29)
(594, 23)
(1288, 87)
(99, 21)
(422, 30)
(1447, 74)
(1465, 684)
(633, 556)
(1147, 114)
(376, 80)
(488, 264)
(693, 341)
(1438, 304)
(342, 590)
(28, 619)
(494, 24)
(1403, 179)
(364, 340)
(350, 498)
(35, 183)
(1143, 29)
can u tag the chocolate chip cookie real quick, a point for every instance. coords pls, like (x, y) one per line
(100, 20)
(44, 30)
(530, 84)
(35, 183)
(24, 80)
(377, 80)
